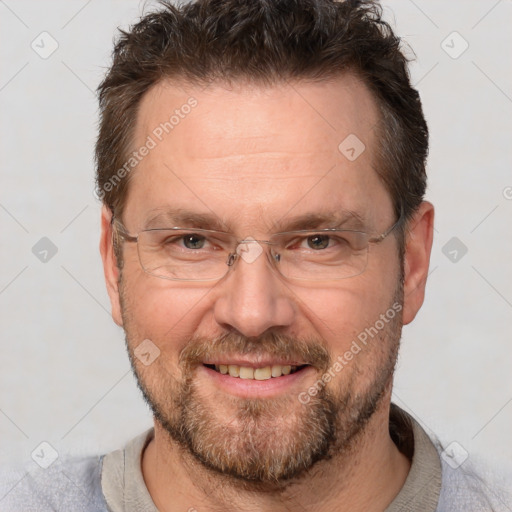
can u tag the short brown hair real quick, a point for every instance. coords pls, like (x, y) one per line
(266, 41)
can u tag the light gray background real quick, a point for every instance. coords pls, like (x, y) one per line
(65, 378)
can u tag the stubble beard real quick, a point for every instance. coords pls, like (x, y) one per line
(267, 444)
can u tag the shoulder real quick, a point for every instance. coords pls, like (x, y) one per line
(447, 478)
(69, 484)
(474, 485)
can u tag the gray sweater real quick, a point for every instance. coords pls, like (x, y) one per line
(440, 480)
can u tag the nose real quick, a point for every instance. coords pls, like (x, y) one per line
(252, 297)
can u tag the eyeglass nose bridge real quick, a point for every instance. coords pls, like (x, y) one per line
(233, 256)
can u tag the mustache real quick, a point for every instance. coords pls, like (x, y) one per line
(281, 346)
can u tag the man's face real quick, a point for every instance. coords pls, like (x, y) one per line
(255, 159)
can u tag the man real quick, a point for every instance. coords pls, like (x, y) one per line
(264, 239)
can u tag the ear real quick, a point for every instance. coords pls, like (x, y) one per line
(110, 268)
(418, 244)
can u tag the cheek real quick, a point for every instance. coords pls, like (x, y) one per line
(162, 311)
(340, 314)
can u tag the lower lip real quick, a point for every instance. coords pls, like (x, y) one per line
(252, 388)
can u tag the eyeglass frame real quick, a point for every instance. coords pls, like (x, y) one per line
(233, 256)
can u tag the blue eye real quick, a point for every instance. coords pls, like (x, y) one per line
(194, 241)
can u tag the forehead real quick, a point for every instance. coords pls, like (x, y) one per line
(256, 152)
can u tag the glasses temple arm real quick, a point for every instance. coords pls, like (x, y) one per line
(122, 231)
(399, 221)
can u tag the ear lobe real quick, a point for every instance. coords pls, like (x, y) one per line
(418, 246)
(110, 268)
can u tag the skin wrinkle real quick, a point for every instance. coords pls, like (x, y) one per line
(231, 453)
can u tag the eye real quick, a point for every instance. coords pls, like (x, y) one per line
(318, 241)
(193, 241)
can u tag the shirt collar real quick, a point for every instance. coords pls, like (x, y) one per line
(124, 488)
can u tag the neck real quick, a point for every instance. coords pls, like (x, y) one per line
(366, 478)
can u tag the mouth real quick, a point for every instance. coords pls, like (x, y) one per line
(256, 379)
(256, 373)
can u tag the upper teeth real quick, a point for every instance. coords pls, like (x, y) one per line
(246, 372)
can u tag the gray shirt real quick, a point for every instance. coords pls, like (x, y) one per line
(437, 480)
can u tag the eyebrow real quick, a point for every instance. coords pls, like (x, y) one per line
(181, 217)
(315, 220)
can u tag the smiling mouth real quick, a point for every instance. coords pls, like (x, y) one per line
(247, 372)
